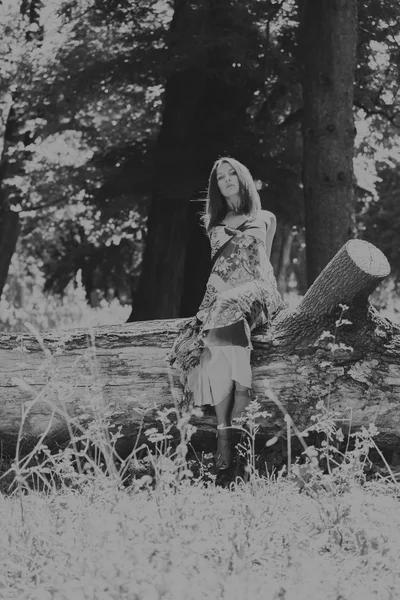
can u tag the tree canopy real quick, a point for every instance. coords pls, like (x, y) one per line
(82, 94)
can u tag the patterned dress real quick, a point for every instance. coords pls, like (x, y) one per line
(213, 350)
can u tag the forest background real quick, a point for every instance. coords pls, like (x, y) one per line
(112, 114)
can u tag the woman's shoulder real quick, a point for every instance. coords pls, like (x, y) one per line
(267, 216)
(267, 219)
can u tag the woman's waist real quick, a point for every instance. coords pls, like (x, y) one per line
(263, 290)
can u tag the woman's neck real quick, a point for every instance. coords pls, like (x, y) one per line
(233, 219)
(237, 210)
(233, 204)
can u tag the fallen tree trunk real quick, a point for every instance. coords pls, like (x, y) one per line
(348, 358)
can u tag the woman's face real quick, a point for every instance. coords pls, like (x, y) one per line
(227, 179)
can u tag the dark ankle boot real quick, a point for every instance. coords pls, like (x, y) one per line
(223, 457)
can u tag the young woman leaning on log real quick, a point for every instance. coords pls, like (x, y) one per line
(213, 351)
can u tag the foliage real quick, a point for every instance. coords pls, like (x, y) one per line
(378, 214)
(381, 219)
(83, 137)
(377, 75)
(377, 102)
(86, 80)
(23, 302)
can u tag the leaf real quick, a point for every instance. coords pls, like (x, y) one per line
(271, 441)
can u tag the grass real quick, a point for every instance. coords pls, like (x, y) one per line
(200, 542)
(160, 529)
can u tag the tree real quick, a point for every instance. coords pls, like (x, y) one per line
(276, 113)
(79, 152)
(9, 129)
(9, 219)
(328, 40)
(95, 88)
(207, 113)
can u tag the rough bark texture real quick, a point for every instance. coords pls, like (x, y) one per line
(120, 372)
(280, 255)
(9, 220)
(204, 113)
(9, 232)
(10, 135)
(197, 264)
(328, 43)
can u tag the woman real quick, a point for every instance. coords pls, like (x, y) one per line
(213, 351)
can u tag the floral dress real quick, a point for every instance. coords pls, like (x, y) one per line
(213, 350)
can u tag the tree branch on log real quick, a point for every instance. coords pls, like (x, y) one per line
(120, 372)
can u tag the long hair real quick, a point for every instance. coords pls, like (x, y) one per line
(216, 205)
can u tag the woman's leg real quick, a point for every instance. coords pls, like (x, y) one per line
(241, 400)
(218, 365)
(223, 410)
(231, 406)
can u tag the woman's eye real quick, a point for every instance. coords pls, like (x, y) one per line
(231, 174)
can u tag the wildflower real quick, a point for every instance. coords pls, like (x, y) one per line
(341, 322)
(325, 334)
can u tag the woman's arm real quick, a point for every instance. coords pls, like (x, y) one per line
(270, 222)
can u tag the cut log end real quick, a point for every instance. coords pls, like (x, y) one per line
(354, 272)
(368, 258)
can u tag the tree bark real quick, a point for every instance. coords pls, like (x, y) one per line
(9, 219)
(204, 113)
(121, 373)
(161, 282)
(9, 231)
(197, 264)
(281, 255)
(9, 134)
(328, 35)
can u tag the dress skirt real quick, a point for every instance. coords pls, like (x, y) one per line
(213, 351)
(219, 368)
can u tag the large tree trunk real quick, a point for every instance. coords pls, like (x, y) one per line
(124, 374)
(9, 232)
(160, 286)
(328, 52)
(9, 219)
(204, 113)
(9, 135)
(197, 264)
(281, 255)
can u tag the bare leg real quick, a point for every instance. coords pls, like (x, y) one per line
(241, 400)
(240, 388)
(223, 410)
